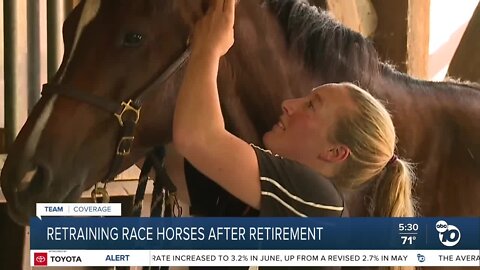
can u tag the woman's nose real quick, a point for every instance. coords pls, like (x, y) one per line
(288, 106)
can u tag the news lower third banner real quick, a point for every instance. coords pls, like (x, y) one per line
(118, 241)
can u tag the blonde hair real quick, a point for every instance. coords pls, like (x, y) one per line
(370, 134)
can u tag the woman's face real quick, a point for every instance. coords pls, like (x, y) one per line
(306, 127)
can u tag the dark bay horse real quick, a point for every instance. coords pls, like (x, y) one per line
(283, 48)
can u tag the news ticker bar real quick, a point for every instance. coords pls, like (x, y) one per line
(255, 258)
(110, 233)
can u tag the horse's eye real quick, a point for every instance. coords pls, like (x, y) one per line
(132, 40)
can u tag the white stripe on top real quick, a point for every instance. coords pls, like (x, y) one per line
(298, 199)
(289, 207)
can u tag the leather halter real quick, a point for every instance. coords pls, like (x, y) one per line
(127, 112)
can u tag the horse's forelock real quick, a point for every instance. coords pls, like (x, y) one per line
(90, 10)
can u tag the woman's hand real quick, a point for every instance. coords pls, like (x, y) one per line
(213, 34)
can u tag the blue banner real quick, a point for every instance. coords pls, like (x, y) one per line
(115, 233)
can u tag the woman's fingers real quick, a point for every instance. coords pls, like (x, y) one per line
(214, 32)
(219, 5)
(229, 6)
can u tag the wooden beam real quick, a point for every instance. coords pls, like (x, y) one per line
(70, 5)
(358, 15)
(319, 3)
(55, 18)
(390, 39)
(465, 64)
(418, 36)
(3, 147)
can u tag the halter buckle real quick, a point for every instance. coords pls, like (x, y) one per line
(125, 151)
(127, 106)
(102, 191)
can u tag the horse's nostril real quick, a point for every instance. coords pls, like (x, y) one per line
(33, 180)
(39, 181)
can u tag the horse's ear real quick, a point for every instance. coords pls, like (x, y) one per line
(192, 10)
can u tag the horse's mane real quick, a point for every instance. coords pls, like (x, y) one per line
(326, 45)
(448, 86)
(338, 52)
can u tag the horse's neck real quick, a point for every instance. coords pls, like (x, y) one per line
(430, 114)
(464, 113)
(258, 74)
(438, 126)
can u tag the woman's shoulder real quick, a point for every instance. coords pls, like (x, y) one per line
(296, 185)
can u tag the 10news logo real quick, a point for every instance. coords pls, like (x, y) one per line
(448, 234)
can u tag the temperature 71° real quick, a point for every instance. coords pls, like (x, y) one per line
(408, 239)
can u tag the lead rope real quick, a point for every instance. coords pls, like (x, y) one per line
(164, 197)
(164, 201)
(142, 185)
(164, 191)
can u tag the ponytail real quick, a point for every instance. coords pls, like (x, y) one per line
(393, 192)
(393, 196)
(370, 135)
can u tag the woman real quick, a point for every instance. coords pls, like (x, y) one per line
(339, 135)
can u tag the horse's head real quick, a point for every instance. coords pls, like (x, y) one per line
(115, 50)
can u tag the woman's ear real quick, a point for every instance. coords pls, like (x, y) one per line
(336, 153)
(192, 10)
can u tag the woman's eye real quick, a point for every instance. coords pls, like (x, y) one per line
(310, 105)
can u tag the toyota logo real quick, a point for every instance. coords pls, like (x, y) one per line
(40, 259)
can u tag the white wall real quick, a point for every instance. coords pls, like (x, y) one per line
(448, 20)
